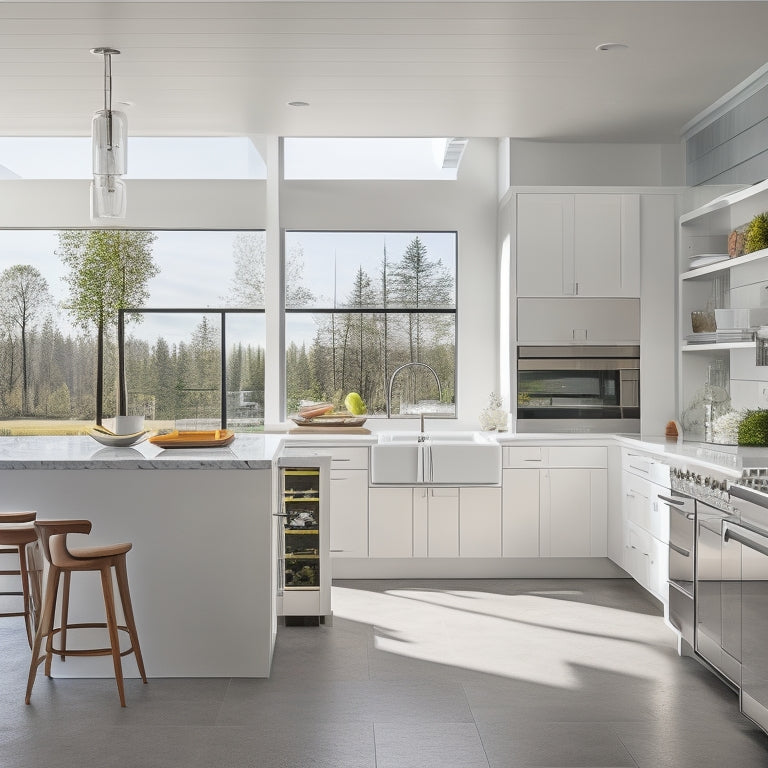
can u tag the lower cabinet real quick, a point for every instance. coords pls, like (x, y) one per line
(555, 512)
(390, 522)
(573, 513)
(520, 512)
(480, 522)
(349, 513)
(434, 522)
(645, 520)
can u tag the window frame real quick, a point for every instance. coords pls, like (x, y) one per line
(285, 311)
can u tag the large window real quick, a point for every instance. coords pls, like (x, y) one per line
(358, 305)
(196, 369)
(53, 285)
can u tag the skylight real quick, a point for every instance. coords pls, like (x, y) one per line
(175, 157)
(407, 159)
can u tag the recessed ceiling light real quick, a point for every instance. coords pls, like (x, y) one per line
(298, 103)
(606, 47)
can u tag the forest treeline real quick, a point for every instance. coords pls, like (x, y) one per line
(381, 324)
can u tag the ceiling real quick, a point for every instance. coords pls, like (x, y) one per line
(521, 69)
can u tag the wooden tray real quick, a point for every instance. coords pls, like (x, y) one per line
(331, 420)
(211, 438)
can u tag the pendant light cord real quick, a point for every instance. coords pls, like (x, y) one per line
(108, 97)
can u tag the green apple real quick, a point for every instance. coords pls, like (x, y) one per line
(354, 404)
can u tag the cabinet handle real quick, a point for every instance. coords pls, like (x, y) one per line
(630, 495)
(336, 461)
(532, 459)
(576, 288)
(337, 550)
(339, 478)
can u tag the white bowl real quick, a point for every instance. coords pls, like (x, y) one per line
(128, 425)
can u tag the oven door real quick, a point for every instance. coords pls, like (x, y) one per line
(682, 517)
(754, 620)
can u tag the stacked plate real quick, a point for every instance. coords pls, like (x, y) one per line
(705, 259)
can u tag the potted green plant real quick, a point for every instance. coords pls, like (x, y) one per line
(756, 235)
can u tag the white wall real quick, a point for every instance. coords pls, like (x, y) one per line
(237, 204)
(542, 163)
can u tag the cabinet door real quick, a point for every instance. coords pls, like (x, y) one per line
(349, 513)
(606, 245)
(480, 522)
(520, 513)
(442, 522)
(544, 245)
(568, 320)
(390, 522)
(574, 513)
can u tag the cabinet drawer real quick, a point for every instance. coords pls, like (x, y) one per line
(345, 458)
(636, 464)
(645, 466)
(524, 457)
(578, 457)
(638, 495)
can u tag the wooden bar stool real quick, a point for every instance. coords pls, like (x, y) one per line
(17, 532)
(62, 560)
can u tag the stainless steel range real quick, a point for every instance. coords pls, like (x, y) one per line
(747, 535)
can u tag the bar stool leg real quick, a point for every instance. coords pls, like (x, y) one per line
(125, 598)
(114, 639)
(25, 592)
(65, 612)
(43, 629)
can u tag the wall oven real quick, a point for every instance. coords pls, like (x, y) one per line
(578, 388)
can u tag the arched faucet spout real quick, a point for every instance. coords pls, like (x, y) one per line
(392, 381)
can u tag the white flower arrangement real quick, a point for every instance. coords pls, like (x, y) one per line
(725, 428)
(494, 417)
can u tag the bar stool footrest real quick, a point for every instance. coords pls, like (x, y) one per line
(88, 651)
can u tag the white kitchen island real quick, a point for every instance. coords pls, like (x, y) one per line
(201, 569)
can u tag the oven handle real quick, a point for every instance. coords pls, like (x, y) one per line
(744, 536)
(679, 550)
(669, 500)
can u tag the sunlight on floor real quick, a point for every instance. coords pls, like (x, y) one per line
(541, 637)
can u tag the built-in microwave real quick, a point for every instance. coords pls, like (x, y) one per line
(578, 388)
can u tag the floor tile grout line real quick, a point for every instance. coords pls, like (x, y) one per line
(629, 751)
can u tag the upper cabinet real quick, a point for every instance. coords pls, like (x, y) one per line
(578, 245)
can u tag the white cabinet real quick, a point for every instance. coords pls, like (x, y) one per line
(434, 522)
(645, 520)
(605, 321)
(390, 522)
(480, 522)
(520, 512)
(349, 513)
(555, 501)
(578, 245)
(574, 516)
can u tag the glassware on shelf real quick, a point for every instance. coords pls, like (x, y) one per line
(761, 345)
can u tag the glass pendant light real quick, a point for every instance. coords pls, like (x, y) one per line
(109, 135)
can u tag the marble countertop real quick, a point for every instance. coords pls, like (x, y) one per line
(250, 451)
(83, 452)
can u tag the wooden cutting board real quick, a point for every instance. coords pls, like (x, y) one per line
(329, 431)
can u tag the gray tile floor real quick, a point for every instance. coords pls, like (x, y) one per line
(412, 674)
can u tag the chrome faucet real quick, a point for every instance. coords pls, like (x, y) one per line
(392, 381)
